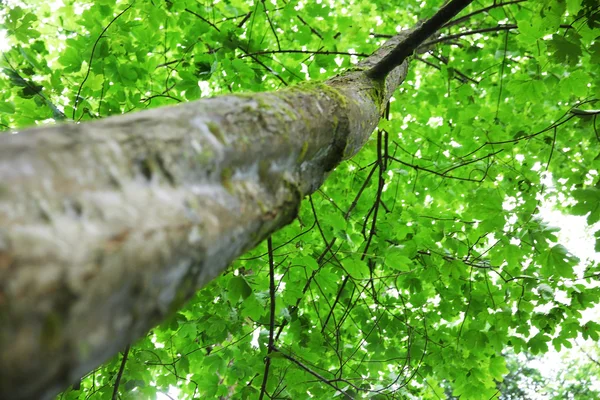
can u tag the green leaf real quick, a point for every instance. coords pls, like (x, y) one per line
(558, 262)
(188, 329)
(127, 73)
(7, 107)
(538, 343)
(396, 258)
(71, 59)
(356, 267)
(252, 308)
(566, 49)
(529, 90)
(307, 262)
(588, 201)
(591, 330)
(238, 287)
(575, 84)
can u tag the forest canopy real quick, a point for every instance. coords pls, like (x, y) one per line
(422, 261)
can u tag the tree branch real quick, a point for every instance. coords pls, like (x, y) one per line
(324, 52)
(415, 38)
(115, 394)
(498, 28)
(482, 10)
(313, 373)
(263, 387)
(313, 30)
(87, 74)
(269, 69)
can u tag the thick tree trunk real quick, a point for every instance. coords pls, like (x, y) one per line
(106, 227)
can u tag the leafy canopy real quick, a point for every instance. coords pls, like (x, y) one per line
(421, 259)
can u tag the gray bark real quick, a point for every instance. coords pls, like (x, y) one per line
(106, 227)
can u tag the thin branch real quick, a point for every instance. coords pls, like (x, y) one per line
(482, 10)
(263, 387)
(562, 120)
(592, 359)
(424, 61)
(419, 168)
(243, 21)
(202, 18)
(444, 60)
(460, 76)
(115, 394)
(271, 70)
(271, 24)
(313, 30)
(360, 191)
(584, 113)
(502, 75)
(382, 35)
(415, 38)
(344, 282)
(497, 28)
(320, 262)
(313, 373)
(381, 166)
(241, 48)
(551, 150)
(56, 112)
(325, 52)
(165, 64)
(471, 161)
(87, 74)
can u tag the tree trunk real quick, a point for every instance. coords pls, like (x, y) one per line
(106, 227)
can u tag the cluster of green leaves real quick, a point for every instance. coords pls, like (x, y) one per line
(420, 260)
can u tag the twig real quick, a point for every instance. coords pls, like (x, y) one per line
(115, 394)
(202, 18)
(271, 24)
(270, 346)
(460, 74)
(87, 74)
(56, 113)
(325, 52)
(243, 21)
(313, 373)
(360, 191)
(497, 28)
(241, 48)
(313, 30)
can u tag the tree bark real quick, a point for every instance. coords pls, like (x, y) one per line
(106, 227)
